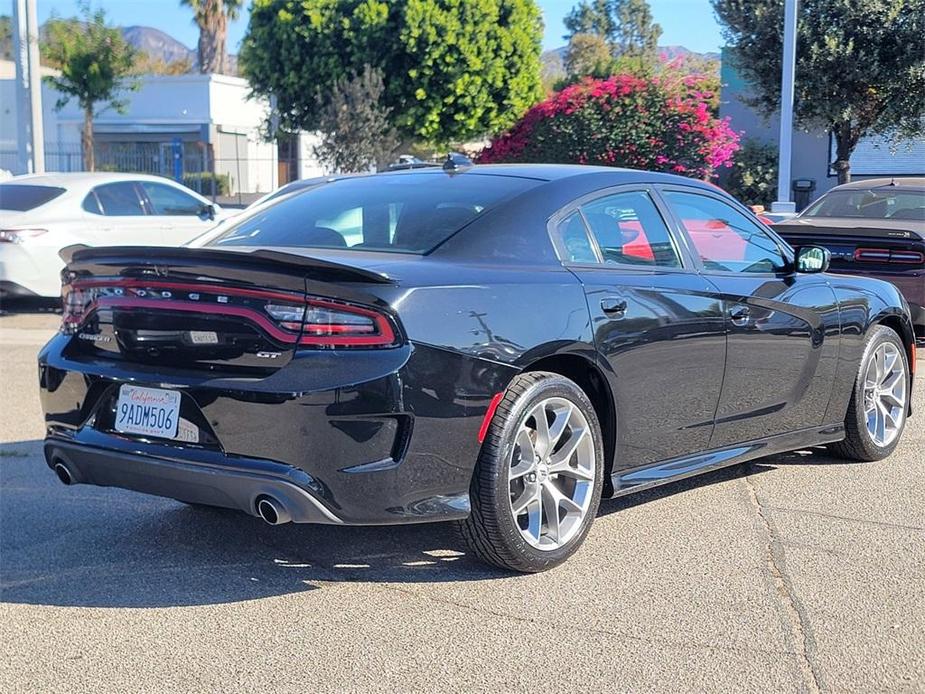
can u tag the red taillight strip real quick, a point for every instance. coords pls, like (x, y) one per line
(911, 257)
(872, 254)
(886, 255)
(385, 335)
(489, 414)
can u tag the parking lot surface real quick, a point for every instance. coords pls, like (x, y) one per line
(793, 573)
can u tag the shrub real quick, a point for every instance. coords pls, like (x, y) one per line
(624, 120)
(753, 176)
(204, 181)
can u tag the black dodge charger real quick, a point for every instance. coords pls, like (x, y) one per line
(498, 346)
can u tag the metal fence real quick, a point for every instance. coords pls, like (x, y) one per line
(190, 163)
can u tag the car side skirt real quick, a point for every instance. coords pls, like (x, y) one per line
(639, 479)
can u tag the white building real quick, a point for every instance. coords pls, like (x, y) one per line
(208, 118)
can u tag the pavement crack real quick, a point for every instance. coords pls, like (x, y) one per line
(847, 519)
(797, 618)
(649, 641)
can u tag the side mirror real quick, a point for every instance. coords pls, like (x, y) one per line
(208, 211)
(812, 259)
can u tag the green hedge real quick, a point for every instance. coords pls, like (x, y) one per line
(205, 181)
(753, 176)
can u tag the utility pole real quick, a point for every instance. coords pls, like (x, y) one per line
(788, 73)
(31, 135)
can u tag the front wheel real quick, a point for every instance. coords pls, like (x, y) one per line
(880, 400)
(537, 483)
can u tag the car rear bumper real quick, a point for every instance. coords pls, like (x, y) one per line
(215, 483)
(29, 271)
(11, 290)
(383, 437)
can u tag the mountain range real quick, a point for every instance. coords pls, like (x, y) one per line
(159, 45)
(553, 61)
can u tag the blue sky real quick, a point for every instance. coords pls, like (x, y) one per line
(689, 23)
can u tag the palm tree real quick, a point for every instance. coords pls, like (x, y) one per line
(211, 16)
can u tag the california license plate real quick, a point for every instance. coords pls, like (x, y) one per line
(148, 411)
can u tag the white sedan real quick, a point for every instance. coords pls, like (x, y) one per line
(41, 214)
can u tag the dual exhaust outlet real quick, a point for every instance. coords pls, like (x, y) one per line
(272, 511)
(269, 509)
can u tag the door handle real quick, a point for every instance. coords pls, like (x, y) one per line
(739, 315)
(613, 307)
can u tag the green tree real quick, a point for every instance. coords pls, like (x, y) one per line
(588, 55)
(354, 125)
(95, 65)
(456, 69)
(145, 64)
(6, 37)
(753, 176)
(211, 16)
(860, 65)
(626, 25)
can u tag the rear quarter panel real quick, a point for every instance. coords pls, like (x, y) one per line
(864, 303)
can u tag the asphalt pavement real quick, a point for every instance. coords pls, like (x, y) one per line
(795, 573)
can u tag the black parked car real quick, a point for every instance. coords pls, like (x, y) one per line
(495, 345)
(874, 227)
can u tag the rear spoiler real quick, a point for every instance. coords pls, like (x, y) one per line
(81, 257)
(787, 227)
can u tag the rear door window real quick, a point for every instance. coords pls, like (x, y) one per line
(115, 200)
(630, 230)
(21, 198)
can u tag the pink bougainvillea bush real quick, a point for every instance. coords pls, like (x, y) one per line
(640, 123)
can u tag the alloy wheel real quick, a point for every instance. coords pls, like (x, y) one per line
(551, 475)
(885, 393)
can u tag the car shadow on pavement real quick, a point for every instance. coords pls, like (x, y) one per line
(87, 546)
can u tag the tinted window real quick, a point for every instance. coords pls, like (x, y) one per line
(725, 239)
(167, 200)
(404, 212)
(630, 230)
(576, 246)
(19, 198)
(117, 200)
(870, 204)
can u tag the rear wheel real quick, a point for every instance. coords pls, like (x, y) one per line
(880, 400)
(537, 483)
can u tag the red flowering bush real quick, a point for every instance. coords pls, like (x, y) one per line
(657, 124)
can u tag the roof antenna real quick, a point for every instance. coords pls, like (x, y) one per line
(456, 161)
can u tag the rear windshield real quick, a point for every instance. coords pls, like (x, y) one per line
(870, 204)
(407, 213)
(19, 198)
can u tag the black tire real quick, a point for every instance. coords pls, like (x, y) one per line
(858, 444)
(491, 531)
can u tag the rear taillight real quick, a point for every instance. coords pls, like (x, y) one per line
(19, 235)
(74, 304)
(329, 323)
(288, 318)
(885, 255)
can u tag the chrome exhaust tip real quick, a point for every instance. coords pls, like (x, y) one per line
(64, 474)
(272, 512)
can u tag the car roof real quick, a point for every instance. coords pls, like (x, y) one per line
(541, 172)
(559, 172)
(81, 179)
(909, 183)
